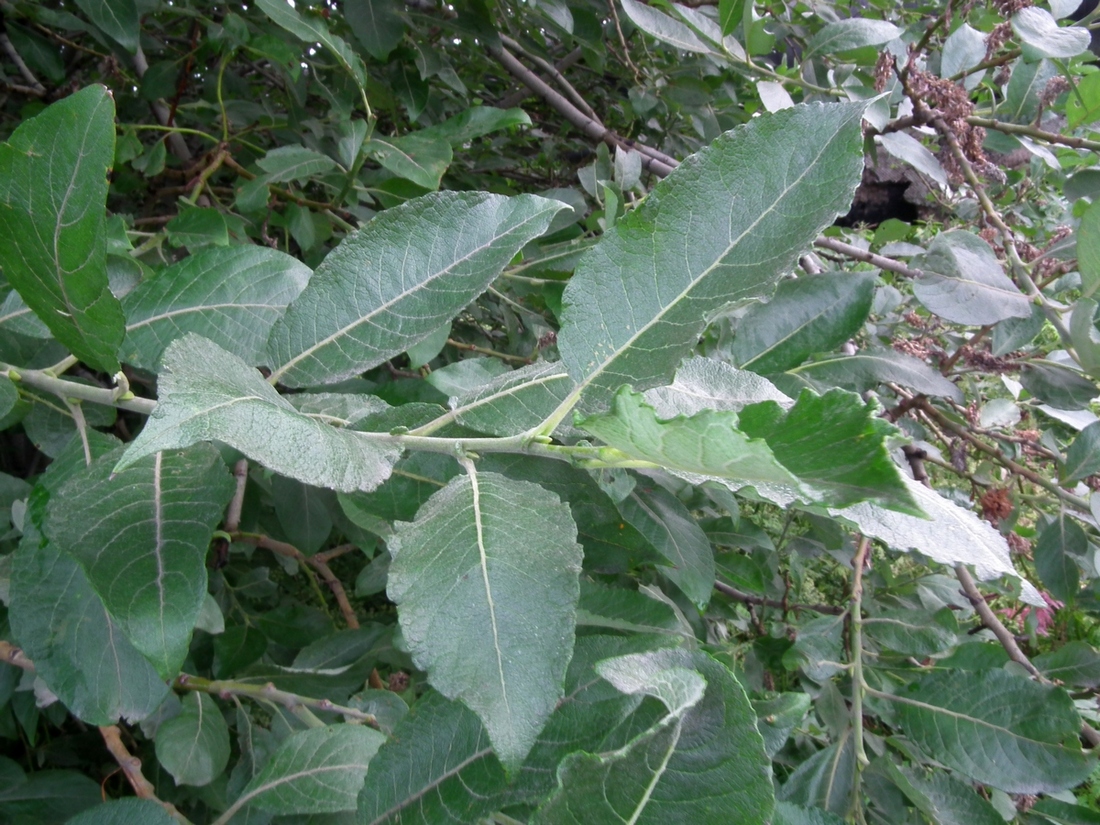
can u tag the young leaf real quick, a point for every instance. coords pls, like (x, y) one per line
(813, 313)
(61, 623)
(230, 295)
(208, 394)
(482, 552)
(194, 745)
(53, 193)
(437, 769)
(767, 189)
(141, 536)
(997, 728)
(314, 771)
(399, 278)
(706, 739)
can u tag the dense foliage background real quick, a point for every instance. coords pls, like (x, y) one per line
(611, 466)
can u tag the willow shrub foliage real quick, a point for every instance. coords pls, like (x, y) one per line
(476, 412)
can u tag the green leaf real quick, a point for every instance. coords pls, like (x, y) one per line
(303, 512)
(852, 33)
(825, 780)
(61, 624)
(913, 152)
(664, 28)
(475, 122)
(1062, 387)
(141, 535)
(963, 49)
(514, 402)
(1060, 543)
(866, 370)
(813, 313)
(672, 531)
(997, 728)
(232, 296)
(621, 324)
(9, 396)
(376, 24)
(1084, 108)
(1023, 94)
(963, 282)
(208, 394)
(194, 745)
(482, 551)
(910, 632)
(436, 769)
(314, 771)
(293, 163)
(777, 717)
(125, 812)
(311, 30)
(117, 18)
(706, 384)
(1064, 813)
(834, 443)
(729, 15)
(399, 278)
(704, 740)
(945, 800)
(949, 535)
(1088, 250)
(196, 227)
(415, 157)
(53, 191)
(787, 813)
(45, 796)
(1043, 37)
(1074, 663)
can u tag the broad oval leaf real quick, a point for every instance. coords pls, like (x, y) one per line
(705, 742)
(766, 189)
(231, 295)
(1061, 542)
(852, 33)
(1043, 37)
(193, 746)
(53, 193)
(465, 575)
(314, 771)
(997, 728)
(207, 394)
(142, 535)
(437, 769)
(949, 535)
(963, 282)
(78, 649)
(814, 313)
(396, 280)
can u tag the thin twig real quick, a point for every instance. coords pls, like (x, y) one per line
(233, 511)
(15, 656)
(131, 769)
(1035, 132)
(552, 70)
(13, 56)
(267, 692)
(854, 252)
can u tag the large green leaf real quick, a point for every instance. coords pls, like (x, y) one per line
(208, 394)
(61, 623)
(311, 29)
(853, 33)
(946, 800)
(668, 525)
(1043, 37)
(465, 575)
(399, 278)
(230, 295)
(415, 157)
(641, 297)
(118, 19)
(125, 812)
(53, 192)
(142, 535)
(825, 780)
(1075, 663)
(866, 370)
(997, 728)
(314, 771)
(814, 313)
(437, 769)
(513, 402)
(665, 28)
(949, 535)
(1060, 543)
(376, 24)
(963, 282)
(193, 746)
(702, 762)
